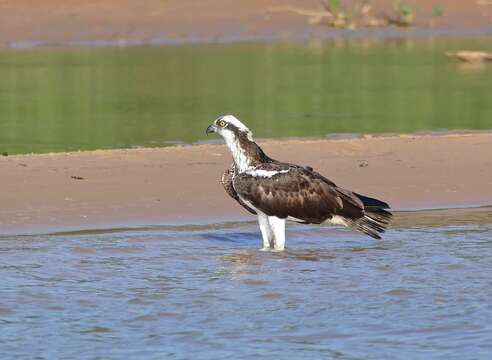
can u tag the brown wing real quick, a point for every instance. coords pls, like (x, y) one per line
(352, 206)
(298, 193)
(227, 184)
(362, 213)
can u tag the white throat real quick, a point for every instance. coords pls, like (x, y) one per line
(239, 156)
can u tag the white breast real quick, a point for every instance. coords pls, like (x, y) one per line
(265, 173)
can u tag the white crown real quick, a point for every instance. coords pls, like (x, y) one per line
(231, 119)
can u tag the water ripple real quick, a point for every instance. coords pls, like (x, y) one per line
(169, 292)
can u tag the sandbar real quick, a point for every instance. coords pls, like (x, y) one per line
(44, 193)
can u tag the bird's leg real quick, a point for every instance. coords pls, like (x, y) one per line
(278, 228)
(266, 232)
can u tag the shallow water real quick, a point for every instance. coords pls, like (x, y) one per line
(73, 99)
(206, 292)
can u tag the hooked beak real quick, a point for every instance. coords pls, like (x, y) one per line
(211, 129)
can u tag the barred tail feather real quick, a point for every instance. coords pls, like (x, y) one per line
(373, 223)
(371, 218)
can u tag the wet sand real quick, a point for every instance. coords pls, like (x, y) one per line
(180, 185)
(25, 23)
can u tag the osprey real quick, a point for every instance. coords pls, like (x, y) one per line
(276, 191)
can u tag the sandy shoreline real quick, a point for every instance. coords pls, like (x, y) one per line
(178, 185)
(26, 23)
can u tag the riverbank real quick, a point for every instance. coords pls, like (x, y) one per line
(25, 23)
(180, 185)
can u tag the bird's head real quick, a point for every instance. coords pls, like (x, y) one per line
(239, 139)
(230, 128)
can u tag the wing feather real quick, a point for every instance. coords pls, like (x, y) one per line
(297, 193)
(226, 181)
(291, 191)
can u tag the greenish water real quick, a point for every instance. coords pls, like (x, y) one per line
(71, 99)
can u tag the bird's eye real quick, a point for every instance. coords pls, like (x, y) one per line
(222, 123)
